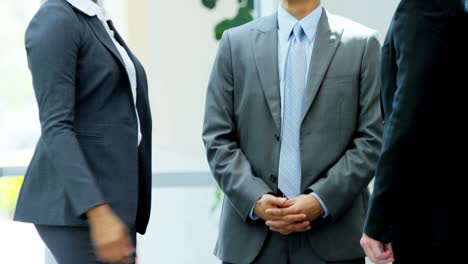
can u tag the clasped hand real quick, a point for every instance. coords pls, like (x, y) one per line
(288, 216)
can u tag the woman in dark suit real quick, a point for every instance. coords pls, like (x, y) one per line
(88, 186)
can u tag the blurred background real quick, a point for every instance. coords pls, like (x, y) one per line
(176, 40)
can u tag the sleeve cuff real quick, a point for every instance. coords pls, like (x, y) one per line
(252, 214)
(326, 212)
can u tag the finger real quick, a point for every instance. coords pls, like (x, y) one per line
(129, 249)
(388, 248)
(294, 218)
(99, 254)
(299, 227)
(386, 255)
(365, 246)
(116, 251)
(126, 242)
(383, 260)
(385, 252)
(392, 257)
(290, 219)
(287, 203)
(279, 224)
(277, 201)
(109, 253)
(120, 250)
(370, 253)
(375, 248)
(279, 212)
(302, 227)
(124, 260)
(281, 231)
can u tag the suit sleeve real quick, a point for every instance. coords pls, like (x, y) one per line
(351, 174)
(414, 69)
(52, 45)
(229, 166)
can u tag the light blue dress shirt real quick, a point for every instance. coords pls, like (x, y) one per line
(286, 23)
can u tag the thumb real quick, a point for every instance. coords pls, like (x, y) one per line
(128, 247)
(278, 201)
(127, 243)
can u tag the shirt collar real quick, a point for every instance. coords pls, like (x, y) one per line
(286, 23)
(90, 8)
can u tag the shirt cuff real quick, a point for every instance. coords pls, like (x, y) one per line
(325, 208)
(252, 214)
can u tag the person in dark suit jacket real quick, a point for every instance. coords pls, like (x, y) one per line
(413, 216)
(88, 186)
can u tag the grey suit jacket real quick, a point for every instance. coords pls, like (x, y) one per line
(340, 135)
(87, 153)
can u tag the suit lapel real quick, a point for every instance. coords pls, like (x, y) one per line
(326, 43)
(104, 38)
(142, 95)
(265, 50)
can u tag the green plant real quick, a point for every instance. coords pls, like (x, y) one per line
(244, 15)
(217, 201)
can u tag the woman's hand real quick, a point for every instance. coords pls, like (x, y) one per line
(109, 235)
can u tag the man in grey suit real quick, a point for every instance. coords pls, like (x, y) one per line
(292, 132)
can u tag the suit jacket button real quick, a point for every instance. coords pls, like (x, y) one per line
(273, 178)
(277, 137)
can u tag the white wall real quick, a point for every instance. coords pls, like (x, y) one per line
(182, 51)
(372, 13)
(119, 15)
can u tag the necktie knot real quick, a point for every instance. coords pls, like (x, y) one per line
(298, 32)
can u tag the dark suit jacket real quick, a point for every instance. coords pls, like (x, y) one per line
(87, 154)
(416, 197)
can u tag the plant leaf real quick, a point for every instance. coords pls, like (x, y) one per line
(210, 4)
(243, 16)
(251, 4)
(217, 201)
